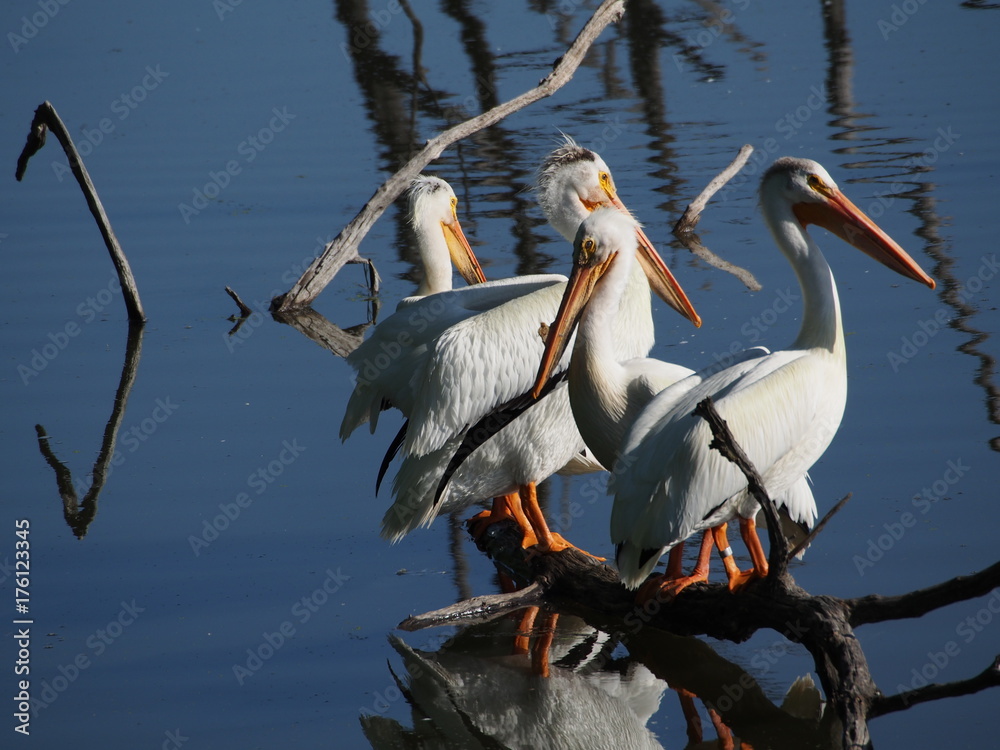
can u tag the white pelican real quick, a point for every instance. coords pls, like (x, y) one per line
(451, 358)
(783, 408)
(608, 395)
(433, 213)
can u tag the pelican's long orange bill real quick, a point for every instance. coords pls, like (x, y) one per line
(579, 290)
(840, 216)
(661, 280)
(461, 253)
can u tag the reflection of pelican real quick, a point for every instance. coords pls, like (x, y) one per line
(433, 215)
(451, 358)
(783, 408)
(488, 699)
(606, 395)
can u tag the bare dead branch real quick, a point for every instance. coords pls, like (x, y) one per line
(692, 215)
(819, 527)
(477, 609)
(989, 677)
(684, 228)
(344, 248)
(876, 608)
(46, 118)
(724, 442)
(245, 311)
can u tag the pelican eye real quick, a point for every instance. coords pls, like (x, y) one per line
(605, 179)
(587, 249)
(815, 182)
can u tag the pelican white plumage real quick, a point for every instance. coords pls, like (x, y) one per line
(608, 395)
(451, 358)
(783, 408)
(433, 214)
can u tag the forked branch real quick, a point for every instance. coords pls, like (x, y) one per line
(344, 248)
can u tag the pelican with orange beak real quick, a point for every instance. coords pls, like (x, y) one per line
(783, 408)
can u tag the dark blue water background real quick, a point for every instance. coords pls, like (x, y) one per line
(898, 100)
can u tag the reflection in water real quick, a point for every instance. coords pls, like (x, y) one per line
(647, 28)
(482, 688)
(80, 514)
(904, 172)
(955, 294)
(312, 325)
(475, 693)
(493, 152)
(644, 25)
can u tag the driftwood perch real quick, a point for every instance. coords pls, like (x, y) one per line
(46, 118)
(575, 584)
(344, 248)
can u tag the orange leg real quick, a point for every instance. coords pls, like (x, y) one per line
(544, 634)
(548, 541)
(504, 508)
(675, 561)
(737, 578)
(748, 530)
(725, 741)
(691, 717)
(543, 644)
(666, 587)
(523, 637)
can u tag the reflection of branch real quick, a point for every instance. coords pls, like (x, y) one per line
(314, 326)
(692, 242)
(79, 516)
(46, 118)
(345, 245)
(684, 228)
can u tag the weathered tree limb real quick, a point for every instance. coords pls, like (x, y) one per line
(875, 608)
(692, 215)
(46, 118)
(245, 311)
(724, 442)
(344, 247)
(475, 610)
(819, 526)
(989, 677)
(574, 583)
(684, 228)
